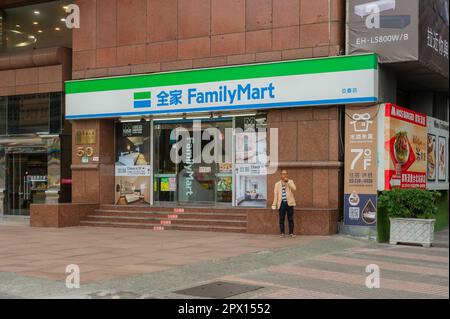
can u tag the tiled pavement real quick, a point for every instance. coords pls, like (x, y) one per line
(128, 263)
(405, 272)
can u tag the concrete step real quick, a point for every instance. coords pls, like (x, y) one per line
(163, 220)
(148, 208)
(149, 214)
(165, 227)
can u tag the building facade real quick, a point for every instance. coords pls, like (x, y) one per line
(142, 68)
(35, 60)
(169, 36)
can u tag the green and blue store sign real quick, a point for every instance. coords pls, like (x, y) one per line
(327, 81)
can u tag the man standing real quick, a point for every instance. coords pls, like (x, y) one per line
(284, 201)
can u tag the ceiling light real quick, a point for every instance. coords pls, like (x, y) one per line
(37, 12)
(17, 25)
(39, 31)
(63, 20)
(57, 29)
(31, 37)
(65, 7)
(35, 23)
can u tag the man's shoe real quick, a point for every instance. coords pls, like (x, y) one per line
(282, 236)
(292, 235)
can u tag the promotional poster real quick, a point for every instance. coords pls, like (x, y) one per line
(251, 158)
(405, 145)
(132, 167)
(360, 173)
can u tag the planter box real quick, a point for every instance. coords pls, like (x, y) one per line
(412, 231)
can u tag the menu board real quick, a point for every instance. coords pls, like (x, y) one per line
(360, 171)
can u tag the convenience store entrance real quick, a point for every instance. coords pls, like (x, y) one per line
(26, 182)
(188, 182)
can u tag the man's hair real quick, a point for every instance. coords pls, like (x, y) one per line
(283, 170)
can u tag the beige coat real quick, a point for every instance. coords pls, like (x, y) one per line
(290, 189)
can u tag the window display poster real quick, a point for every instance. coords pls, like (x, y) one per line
(224, 183)
(442, 167)
(132, 168)
(251, 159)
(405, 144)
(251, 191)
(360, 168)
(437, 157)
(431, 157)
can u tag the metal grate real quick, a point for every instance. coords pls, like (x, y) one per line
(218, 290)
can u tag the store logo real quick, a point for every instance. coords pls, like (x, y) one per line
(142, 99)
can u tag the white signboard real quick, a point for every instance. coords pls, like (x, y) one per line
(338, 80)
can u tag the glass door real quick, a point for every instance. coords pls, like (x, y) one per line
(190, 181)
(26, 182)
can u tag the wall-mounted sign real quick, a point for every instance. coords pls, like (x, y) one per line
(88, 136)
(360, 171)
(85, 151)
(401, 31)
(333, 80)
(388, 27)
(404, 136)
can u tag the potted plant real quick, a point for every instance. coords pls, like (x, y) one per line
(411, 214)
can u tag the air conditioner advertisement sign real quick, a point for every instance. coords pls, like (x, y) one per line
(386, 27)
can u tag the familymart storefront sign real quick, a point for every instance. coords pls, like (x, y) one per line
(336, 80)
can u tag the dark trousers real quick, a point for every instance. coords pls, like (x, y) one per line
(289, 210)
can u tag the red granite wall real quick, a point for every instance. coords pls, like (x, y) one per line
(143, 36)
(309, 149)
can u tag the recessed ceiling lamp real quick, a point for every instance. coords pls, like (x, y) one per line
(40, 31)
(63, 20)
(35, 23)
(57, 29)
(36, 12)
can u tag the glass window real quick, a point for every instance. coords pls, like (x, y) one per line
(251, 156)
(55, 112)
(34, 27)
(30, 114)
(3, 114)
(132, 163)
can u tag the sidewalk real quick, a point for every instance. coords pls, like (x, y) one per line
(129, 263)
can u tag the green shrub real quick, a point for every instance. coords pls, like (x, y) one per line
(409, 203)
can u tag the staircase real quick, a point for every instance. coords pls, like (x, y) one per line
(169, 218)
